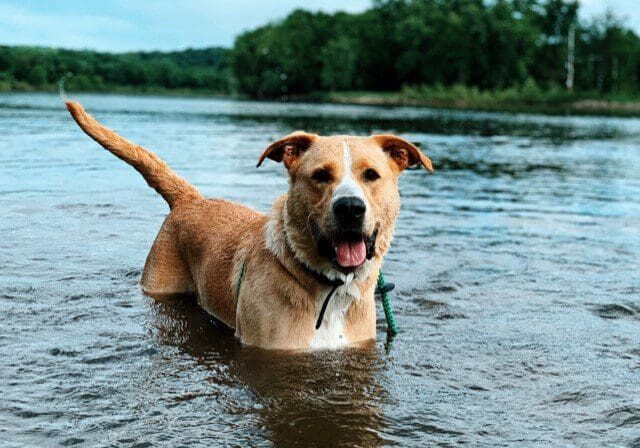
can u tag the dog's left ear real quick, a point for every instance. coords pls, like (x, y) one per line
(403, 153)
(289, 149)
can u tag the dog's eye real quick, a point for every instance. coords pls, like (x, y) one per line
(371, 174)
(321, 176)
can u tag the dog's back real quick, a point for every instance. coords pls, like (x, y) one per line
(197, 251)
(177, 262)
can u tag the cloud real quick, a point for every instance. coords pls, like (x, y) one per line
(625, 9)
(23, 26)
(120, 25)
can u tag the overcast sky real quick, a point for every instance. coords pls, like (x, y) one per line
(123, 25)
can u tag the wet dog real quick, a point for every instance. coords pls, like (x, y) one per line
(302, 277)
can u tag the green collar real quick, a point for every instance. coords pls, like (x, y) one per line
(382, 288)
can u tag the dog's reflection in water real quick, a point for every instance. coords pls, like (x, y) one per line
(325, 398)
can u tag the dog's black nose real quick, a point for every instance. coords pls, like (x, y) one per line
(349, 211)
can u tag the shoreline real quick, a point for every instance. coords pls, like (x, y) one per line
(586, 106)
(579, 106)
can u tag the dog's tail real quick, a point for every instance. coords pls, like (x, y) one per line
(173, 188)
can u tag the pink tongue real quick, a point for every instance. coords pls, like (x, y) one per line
(351, 253)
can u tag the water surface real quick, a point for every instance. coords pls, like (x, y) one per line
(516, 265)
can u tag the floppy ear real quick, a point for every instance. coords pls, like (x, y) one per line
(403, 153)
(289, 149)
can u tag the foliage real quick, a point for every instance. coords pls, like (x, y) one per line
(24, 68)
(486, 45)
(516, 47)
(528, 97)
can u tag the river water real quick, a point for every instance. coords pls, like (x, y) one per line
(517, 272)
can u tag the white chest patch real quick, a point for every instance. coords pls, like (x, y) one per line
(331, 335)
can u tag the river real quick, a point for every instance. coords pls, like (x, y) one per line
(517, 272)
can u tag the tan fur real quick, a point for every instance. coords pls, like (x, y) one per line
(204, 244)
(157, 173)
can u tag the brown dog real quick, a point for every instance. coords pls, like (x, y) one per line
(302, 277)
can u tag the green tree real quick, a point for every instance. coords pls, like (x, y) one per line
(339, 67)
(37, 76)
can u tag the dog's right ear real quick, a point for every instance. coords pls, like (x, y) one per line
(289, 149)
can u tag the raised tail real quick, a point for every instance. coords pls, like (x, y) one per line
(173, 188)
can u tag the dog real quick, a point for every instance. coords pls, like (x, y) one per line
(302, 277)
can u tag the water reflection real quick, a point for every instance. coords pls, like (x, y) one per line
(302, 399)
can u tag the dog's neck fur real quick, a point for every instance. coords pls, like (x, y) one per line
(291, 254)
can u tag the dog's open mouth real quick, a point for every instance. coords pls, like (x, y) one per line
(346, 250)
(351, 251)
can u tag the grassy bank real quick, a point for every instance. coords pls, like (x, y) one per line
(115, 89)
(528, 98)
(517, 100)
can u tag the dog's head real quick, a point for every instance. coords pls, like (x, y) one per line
(343, 198)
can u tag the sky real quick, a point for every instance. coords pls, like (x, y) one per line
(128, 25)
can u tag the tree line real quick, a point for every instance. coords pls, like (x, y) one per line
(37, 68)
(394, 44)
(488, 45)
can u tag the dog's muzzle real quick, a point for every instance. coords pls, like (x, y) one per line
(348, 212)
(347, 248)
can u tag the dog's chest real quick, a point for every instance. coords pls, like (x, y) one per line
(331, 334)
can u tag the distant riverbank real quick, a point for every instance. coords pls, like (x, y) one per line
(525, 100)
(460, 98)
